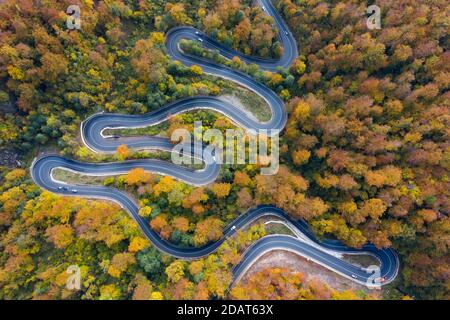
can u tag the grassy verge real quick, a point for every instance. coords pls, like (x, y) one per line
(158, 129)
(251, 102)
(76, 178)
(273, 227)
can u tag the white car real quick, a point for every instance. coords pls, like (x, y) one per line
(264, 8)
(287, 33)
(196, 32)
(200, 39)
(74, 190)
(354, 276)
(233, 227)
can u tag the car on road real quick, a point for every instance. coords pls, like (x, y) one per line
(287, 33)
(74, 190)
(264, 8)
(197, 33)
(354, 276)
(60, 188)
(200, 39)
(233, 227)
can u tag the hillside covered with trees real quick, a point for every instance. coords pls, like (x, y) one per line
(365, 153)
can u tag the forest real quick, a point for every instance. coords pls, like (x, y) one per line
(365, 155)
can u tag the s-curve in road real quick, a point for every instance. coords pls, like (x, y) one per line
(92, 133)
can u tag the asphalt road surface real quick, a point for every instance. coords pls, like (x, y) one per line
(92, 132)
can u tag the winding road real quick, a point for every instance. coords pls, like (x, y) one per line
(92, 132)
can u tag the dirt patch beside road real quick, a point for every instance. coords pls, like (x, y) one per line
(296, 263)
